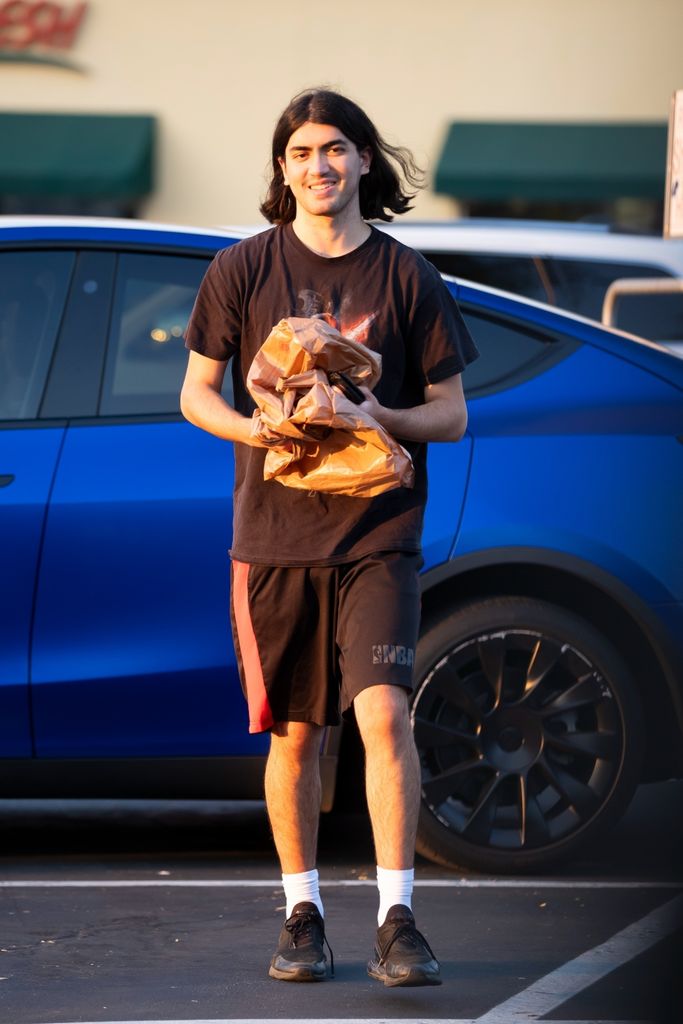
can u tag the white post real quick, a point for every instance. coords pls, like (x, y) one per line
(673, 197)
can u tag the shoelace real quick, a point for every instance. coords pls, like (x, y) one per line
(407, 930)
(300, 927)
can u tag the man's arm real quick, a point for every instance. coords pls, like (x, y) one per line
(201, 401)
(443, 417)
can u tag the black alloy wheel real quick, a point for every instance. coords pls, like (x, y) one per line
(527, 725)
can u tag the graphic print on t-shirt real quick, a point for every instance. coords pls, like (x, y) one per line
(311, 303)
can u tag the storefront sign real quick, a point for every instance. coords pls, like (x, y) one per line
(39, 32)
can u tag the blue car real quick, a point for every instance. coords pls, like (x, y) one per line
(549, 675)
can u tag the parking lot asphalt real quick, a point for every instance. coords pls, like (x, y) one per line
(157, 913)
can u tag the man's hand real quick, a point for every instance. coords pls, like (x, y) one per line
(442, 417)
(370, 405)
(203, 405)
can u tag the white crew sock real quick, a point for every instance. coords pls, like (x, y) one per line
(394, 887)
(302, 887)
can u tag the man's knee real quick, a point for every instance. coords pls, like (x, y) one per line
(297, 741)
(382, 714)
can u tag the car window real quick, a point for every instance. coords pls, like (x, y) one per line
(520, 274)
(146, 356)
(580, 285)
(658, 317)
(509, 352)
(33, 288)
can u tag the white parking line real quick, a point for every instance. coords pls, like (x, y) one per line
(318, 1020)
(332, 883)
(348, 1020)
(545, 995)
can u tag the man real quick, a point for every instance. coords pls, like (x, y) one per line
(321, 583)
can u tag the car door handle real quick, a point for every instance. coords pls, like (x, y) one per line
(6, 479)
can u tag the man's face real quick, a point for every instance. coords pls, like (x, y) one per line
(323, 169)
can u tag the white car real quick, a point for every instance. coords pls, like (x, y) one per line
(566, 265)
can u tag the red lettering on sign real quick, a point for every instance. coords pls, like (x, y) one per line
(14, 24)
(24, 24)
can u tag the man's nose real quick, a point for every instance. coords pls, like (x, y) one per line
(319, 162)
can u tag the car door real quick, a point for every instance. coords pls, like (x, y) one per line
(33, 288)
(448, 466)
(132, 653)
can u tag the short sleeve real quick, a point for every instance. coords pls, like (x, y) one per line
(442, 345)
(215, 327)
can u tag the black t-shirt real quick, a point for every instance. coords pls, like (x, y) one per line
(382, 294)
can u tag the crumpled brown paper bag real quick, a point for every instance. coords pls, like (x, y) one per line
(318, 439)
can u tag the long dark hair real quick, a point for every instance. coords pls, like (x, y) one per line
(392, 168)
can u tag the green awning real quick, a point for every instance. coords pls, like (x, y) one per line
(563, 162)
(86, 155)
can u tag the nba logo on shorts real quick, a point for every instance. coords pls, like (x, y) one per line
(392, 654)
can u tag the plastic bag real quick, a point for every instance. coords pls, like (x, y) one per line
(318, 439)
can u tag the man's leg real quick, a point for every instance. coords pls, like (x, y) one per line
(402, 955)
(293, 800)
(293, 793)
(377, 629)
(392, 773)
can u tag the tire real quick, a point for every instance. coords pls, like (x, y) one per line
(529, 730)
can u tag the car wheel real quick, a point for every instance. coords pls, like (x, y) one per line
(528, 727)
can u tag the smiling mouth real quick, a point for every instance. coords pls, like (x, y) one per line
(322, 186)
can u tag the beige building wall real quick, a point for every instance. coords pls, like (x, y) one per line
(217, 73)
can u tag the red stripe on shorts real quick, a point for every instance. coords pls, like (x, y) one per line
(260, 714)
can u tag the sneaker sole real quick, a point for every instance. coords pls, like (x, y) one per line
(413, 978)
(299, 972)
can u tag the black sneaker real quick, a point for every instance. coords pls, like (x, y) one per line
(402, 955)
(300, 955)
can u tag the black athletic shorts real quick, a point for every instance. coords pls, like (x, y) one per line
(308, 640)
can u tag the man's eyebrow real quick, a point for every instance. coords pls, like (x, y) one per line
(326, 145)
